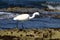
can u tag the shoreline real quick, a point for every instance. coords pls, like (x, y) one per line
(32, 34)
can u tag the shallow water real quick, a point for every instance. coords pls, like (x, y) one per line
(34, 23)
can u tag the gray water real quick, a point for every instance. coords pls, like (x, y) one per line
(42, 22)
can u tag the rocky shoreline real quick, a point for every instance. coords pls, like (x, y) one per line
(20, 9)
(30, 34)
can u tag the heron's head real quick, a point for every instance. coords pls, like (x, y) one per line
(36, 13)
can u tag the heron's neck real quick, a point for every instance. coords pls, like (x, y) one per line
(32, 16)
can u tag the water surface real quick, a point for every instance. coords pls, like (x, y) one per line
(34, 23)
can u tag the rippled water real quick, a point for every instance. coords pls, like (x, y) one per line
(34, 23)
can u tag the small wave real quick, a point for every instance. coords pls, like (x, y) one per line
(6, 15)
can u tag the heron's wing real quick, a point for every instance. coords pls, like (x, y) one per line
(22, 17)
(50, 7)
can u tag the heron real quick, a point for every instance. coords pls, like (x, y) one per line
(24, 17)
(51, 7)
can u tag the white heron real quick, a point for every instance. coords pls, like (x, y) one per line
(24, 17)
(51, 7)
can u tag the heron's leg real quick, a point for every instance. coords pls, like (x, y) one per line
(22, 25)
(17, 25)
